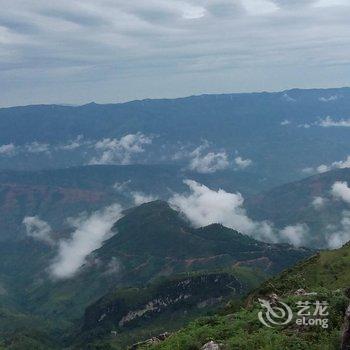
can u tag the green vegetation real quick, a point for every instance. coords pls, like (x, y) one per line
(324, 276)
(243, 331)
(328, 269)
(154, 247)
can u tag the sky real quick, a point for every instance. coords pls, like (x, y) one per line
(78, 51)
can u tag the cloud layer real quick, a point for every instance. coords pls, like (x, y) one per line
(83, 50)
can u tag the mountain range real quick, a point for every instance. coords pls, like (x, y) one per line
(159, 224)
(280, 133)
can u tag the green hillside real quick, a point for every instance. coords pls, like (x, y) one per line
(325, 276)
(163, 306)
(57, 194)
(151, 241)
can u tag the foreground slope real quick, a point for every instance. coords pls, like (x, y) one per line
(322, 277)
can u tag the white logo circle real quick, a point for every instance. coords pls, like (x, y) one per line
(274, 315)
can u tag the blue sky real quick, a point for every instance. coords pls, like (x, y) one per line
(77, 51)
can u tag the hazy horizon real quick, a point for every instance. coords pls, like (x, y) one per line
(176, 97)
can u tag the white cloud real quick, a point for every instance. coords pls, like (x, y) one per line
(329, 122)
(38, 229)
(206, 163)
(308, 170)
(71, 145)
(305, 126)
(89, 234)
(37, 147)
(120, 151)
(342, 164)
(113, 267)
(203, 206)
(330, 98)
(8, 150)
(141, 198)
(340, 236)
(243, 163)
(341, 190)
(318, 203)
(288, 98)
(323, 168)
(285, 122)
(295, 235)
(121, 186)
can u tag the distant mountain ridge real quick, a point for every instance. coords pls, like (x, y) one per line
(239, 123)
(56, 194)
(292, 203)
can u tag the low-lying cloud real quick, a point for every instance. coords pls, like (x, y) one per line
(342, 164)
(38, 229)
(285, 122)
(90, 232)
(318, 202)
(341, 191)
(141, 198)
(73, 144)
(37, 147)
(243, 163)
(120, 151)
(207, 162)
(203, 206)
(329, 122)
(331, 98)
(296, 235)
(337, 235)
(8, 150)
(341, 235)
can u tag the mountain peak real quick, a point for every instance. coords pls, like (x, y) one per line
(156, 212)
